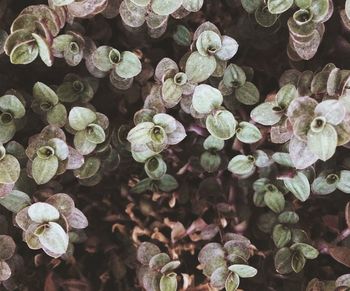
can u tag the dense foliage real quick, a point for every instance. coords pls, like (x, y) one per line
(167, 145)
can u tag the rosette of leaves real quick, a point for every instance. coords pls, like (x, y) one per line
(213, 52)
(88, 128)
(207, 102)
(12, 110)
(328, 181)
(69, 46)
(157, 268)
(122, 66)
(210, 159)
(10, 169)
(46, 225)
(155, 13)
(31, 35)
(82, 9)
(226, 264)
(236, 83)
(7, 259)
(47, 104)
(293, 258)
(153, 134)
(270, 195)
(174, 84)
(49, 155)
(273, 113)
(306, 28)
(77, 89)
(318, 129)
(244, 166)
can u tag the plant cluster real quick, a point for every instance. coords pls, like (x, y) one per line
(166, 145)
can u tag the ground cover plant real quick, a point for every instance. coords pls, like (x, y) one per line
(167, 145)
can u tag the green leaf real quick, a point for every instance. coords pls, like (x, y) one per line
(167, 183)
(283, 261)
(206, 98)
(308, 251)
(232, 282)
(44, 50)
(42, 212)
(264, 17)
(182, 36)
(279, 6)
(192, 5)
(213, 143)
(319, 10)
(171, 93)
(129, 65)
(43, 170)
(247, 94)
(243, 271)
(228, 49)
(82, 144)
(53, 238)
(299, 185)
(44, 94)
(325, 184)
(57, 115)
(274, 200)
(344, 181)
(286, 95)
(251, 5)
(158, 261)
(208, 43)
(281, 235)
(221, 124)
(105, 57)
(283, 159)
(166, 121)
(15, 201)
(218, 277)
(165, 7)
(9, 169)
(234, 76)
(210, 161)
(80, 117)
(199, 68)
(168, 282)
(241, 165)
(288, 217)
(323, 143)
(303, 4)
(140, 133)
(248, 133)
(10, 103)
(155, 167)
(298, 262)
(266, 113)
(95, 134)
(24, 53)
